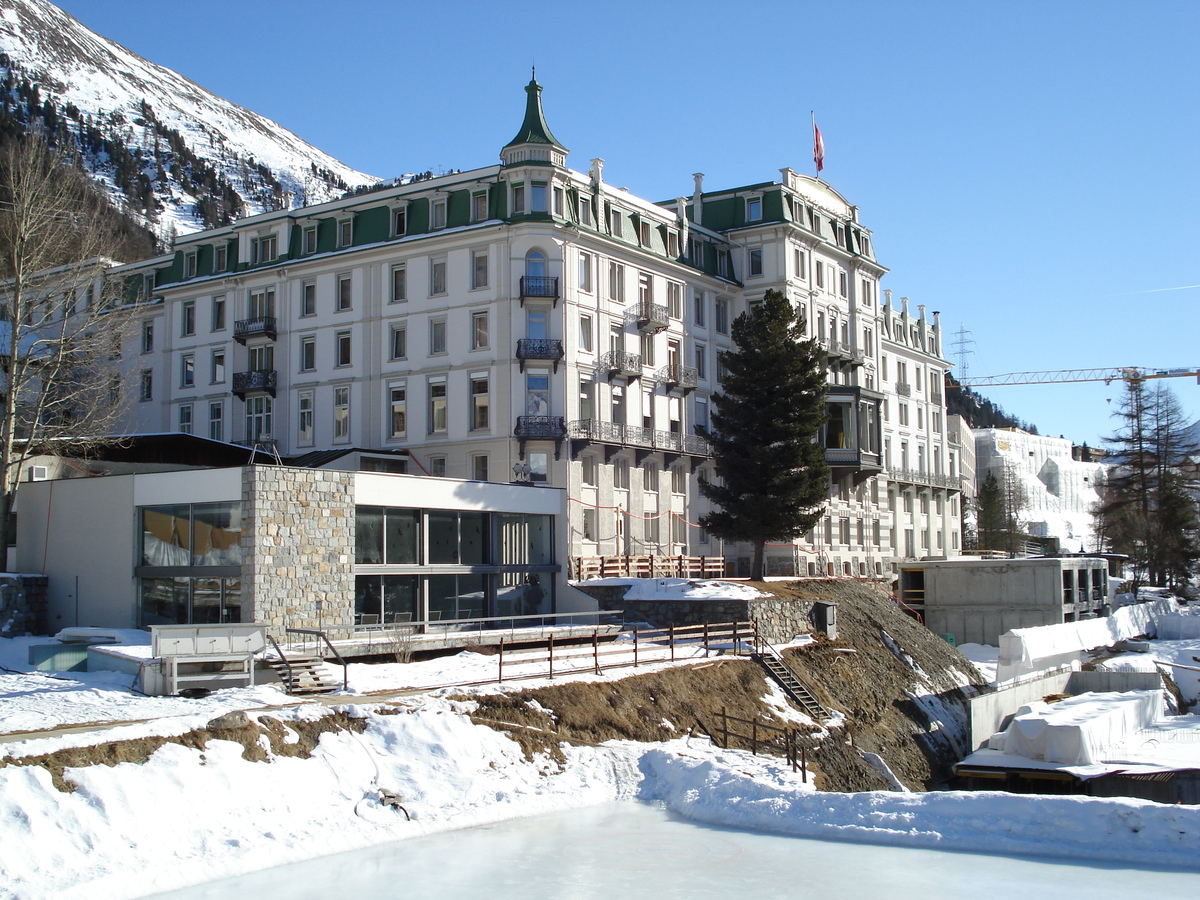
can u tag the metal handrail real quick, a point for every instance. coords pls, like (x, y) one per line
(283, 657)
(323, 636)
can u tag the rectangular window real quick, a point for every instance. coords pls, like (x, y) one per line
(216, 420)
(723, 263)
(616, 282)
(189, 268)
(585, 272)
(308, 353)
(820, 274)
(479, 467)
(398, 409)
(187, 370)
(479, 330)
(148, 336)
(537, 198)
(701, 357)
(842, 282)
(218, 314)
(437, 407)
(399, 222)
(647, 347)
(614, 221)
(585, 211)
(621, 474)
(217, 373)
(345, 232)
(644, 235)
(479, 269)
(309, 240)
(345, 293)
(437, 337)
(399, 283)
(678, 479)
(342, 348)
(304, 430)
(650, 478)
(263, 249)
(755, 261)
(185, 419)
(479, 403)
(698, 308)
(585, 333)
(587, 470)
(262, 303)
(479, 206)
(437, 467)
(722, 316)
(559, 195)
(187, 324)
(308, 299)
(518, 199)
(437, 277)
(220, 258)
(260, 418)
(800, 264)
(754, 209)
(645, 287)
(675, 299)
(398, 345)
(341, 413)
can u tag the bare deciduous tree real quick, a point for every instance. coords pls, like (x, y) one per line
(62, 324)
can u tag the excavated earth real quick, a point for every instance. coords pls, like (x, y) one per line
(903, 701)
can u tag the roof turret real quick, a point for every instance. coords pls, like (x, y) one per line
(534, 142)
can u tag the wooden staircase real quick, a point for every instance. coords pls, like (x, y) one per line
(303, 675)
(792, 686)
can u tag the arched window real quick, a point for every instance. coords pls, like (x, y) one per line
(535, 264)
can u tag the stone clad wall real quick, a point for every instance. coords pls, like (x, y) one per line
(297, 548)
(22, 605)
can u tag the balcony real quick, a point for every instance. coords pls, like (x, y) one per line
(650, 318)
(540, 428)
(539, 287)
(846, 351)
(618, 362)
(935, 396)
(260, 326)
(645, 440)
(539, 348)
(675, 376)
(903, 388)
(932, 479)
(256, 381)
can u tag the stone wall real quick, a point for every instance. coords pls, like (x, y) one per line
(297, 548)
(22, 605)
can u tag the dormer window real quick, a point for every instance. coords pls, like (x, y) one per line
(644, 235)
(437, 213)
(585, 210)
(345, 232)
(614, 221)
(263, 249)
(754, 209)
(189, 265)
(220, 258)
(400, 221)
(558, 201)
(479, 206)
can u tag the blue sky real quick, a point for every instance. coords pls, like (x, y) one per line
(1027, 168)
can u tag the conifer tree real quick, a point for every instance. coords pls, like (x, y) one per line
(772, 477)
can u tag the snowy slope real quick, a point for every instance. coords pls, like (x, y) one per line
(72, 65)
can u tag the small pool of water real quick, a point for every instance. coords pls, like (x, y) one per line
(630, 850)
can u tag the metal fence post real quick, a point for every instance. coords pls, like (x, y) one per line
(550, 657)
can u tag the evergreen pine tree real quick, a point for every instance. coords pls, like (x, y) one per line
(772, 477)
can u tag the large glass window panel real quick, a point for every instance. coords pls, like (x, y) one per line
(526, 539)
(473, 539)
(457, 597)
(216, 534)
(367, 597)
(206, 601)
(443, 537)
(401, 538)
(232, 600)
(164, 601)
(541, 540)
(368, 535)
(166, 536)
(443, 597)
(400, 598)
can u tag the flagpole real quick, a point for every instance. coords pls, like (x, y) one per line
(813, 117)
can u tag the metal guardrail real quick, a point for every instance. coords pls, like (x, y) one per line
(933, 479)
(649, 317)
(636, 436)
(539, 286)
(313, 632)
(621, 363)
(552, 428)
(681, 376)
(255, 380)
(259, 325)
(539, 348)
(903, 388)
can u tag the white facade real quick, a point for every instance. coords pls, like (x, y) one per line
(528, 320)
(1059, 491)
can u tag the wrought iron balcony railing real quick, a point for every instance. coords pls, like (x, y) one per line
(539, 286)
(259, 326)
(685, 378)
(539, 348)
(255, 381)
(650, 318)
(933, 479)
(618, 362)
(845, 350)
(595, 431)
(903, 388)
(540, 428)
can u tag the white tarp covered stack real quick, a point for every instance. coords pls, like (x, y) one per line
(1076, 731)
(1178, 627)
(1027, 650)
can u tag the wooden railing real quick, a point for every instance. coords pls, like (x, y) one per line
(647, 567)
(787, 742)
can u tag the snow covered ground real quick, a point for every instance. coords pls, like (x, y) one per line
(187, 816)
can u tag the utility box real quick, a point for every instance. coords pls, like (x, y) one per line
(824, 618)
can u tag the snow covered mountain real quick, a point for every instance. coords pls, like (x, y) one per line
(174, 154)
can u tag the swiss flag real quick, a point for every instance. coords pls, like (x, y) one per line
(818, 147)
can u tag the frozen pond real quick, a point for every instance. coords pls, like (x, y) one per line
(636, 850)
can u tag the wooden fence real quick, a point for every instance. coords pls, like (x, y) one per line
(787, 742)
(647, 567)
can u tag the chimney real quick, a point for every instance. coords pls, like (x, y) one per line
(597, 172)
(697, 201)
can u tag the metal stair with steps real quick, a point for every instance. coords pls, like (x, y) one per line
(792, 686)
(303, 675)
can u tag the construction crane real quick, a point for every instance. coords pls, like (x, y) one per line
(1131, 374)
